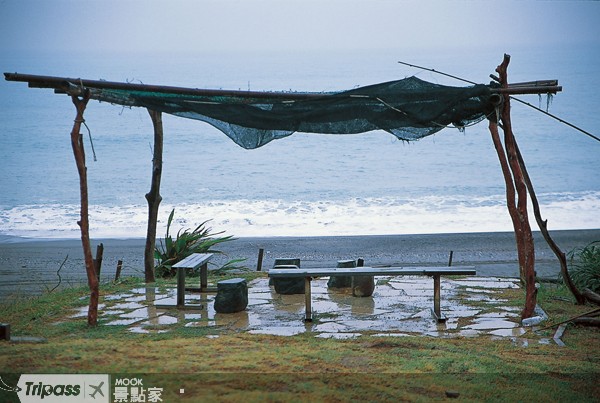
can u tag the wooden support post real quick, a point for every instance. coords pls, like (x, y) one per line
(119, 267)
(204, 277)
(79, 153)
(261, 252)
(153, 196)
(516, 195)
(307, 299)
(98, 260)
(4, 331)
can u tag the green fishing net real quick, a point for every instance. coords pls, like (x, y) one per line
(409, 109)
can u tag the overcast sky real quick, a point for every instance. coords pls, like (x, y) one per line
(232, 25)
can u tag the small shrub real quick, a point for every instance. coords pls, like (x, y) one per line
(199, 240)
(585, 266)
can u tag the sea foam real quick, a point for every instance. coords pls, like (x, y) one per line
(354, 216)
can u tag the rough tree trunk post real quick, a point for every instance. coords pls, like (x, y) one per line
(153, 197)
(79, 153)
(523, 234)
(543, 225)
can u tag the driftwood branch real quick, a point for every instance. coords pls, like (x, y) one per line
(516, 192)
(543, 225)
(79, 153)
(591, 296)
(571, 319)
(153, 196)
(58, 274)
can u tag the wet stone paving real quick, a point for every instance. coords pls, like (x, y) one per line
(399, 306)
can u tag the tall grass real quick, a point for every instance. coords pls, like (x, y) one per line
(199, 240)
(585, 266)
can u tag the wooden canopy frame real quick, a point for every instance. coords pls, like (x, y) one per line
(518, 184)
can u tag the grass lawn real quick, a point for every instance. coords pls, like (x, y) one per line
(217, 364)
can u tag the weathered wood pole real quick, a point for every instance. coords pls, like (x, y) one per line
(118, 272)
(153, 196)
(261, 253)
(516, 195)
(98, 260)
(79, 153)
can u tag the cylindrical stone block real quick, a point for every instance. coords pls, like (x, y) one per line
(342, 281)
(232, 296)
(288, 285)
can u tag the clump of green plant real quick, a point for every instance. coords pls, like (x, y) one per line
(199, 240)
(585, 266)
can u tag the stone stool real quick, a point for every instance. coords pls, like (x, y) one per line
(289, 285)
(341, 281)
(232, 296)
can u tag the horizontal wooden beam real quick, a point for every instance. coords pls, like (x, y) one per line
(66, 85)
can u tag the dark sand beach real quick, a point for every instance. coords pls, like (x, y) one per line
(29, 267)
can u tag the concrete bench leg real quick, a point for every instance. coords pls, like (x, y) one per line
(437, 312)
(180, 288)
(203, 277)
(307, 299)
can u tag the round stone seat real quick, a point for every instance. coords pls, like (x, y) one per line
(232, 296)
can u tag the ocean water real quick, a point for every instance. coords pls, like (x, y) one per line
(306, 184)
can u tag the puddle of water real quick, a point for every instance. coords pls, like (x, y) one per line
(257, 301)
(83, 311)
(144, 290)
(330, 327)
(138, 298)
(393, 335)
(398, 307)
(514, 332)
(499, 315)
(111, 312)
(193, 316)
(125, 322)
(514, 309)
(128, 306)
(80, 312)
(457, 311)
(487, 282)
(480, 291)
(280, 331)
(237, 320)
(141, 313)
(201, 324)
(115, 297)
(338, 336)
(145, 330)
(469, 333)
(160, 321)
(491, 323)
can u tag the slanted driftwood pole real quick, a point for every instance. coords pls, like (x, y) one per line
(153, 196)
(516, 194)
(79, 153)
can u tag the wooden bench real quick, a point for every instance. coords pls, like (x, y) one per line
(435, 272)
(193, 261)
